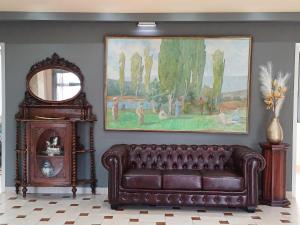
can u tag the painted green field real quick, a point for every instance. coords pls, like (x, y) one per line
(128, 120)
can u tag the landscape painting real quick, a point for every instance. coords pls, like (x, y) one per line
(177, 84)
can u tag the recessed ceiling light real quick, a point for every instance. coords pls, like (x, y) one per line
(146, 24)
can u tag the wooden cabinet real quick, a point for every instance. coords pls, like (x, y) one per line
(48, 122)
(53, 169)
(274, 175)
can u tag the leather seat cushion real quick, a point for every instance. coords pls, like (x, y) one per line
(142, 179)
(222, 180)
(181, 180)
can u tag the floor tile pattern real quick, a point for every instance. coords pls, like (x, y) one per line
(53, 209)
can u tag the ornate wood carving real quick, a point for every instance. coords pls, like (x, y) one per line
(55, 61)
(33, 106)
(33, 110)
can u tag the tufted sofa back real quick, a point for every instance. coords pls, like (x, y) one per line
(196, 157)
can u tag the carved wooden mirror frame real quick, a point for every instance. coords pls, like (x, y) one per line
(75, 108)
(54, 62)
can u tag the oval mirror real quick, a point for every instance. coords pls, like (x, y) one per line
(55, 84)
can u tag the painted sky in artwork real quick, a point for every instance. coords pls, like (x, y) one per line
(236, 54)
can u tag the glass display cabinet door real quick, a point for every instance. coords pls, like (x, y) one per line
(50, 152)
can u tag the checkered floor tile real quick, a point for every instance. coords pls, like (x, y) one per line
(56, 209)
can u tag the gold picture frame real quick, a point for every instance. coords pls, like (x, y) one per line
(197, 83)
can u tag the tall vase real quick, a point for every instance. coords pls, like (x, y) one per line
(274, 132)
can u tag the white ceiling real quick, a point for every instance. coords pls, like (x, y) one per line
(150, 6)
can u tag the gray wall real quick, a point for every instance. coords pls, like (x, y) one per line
(82, 43)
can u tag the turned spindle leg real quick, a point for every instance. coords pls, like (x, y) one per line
(17, 185)
(92, 159)
(74, 172)
(24, 166)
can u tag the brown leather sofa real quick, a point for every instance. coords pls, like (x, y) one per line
(177, 175)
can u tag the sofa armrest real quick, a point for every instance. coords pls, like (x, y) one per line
(116, 154)
(115, 160)
(250, 163)
(242, 155)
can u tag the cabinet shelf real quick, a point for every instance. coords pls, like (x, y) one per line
(18, 181)
(85, 150)
(50, 156)
(21, 151)
(85, 181)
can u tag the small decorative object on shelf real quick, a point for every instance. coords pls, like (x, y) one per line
(52, 147)
(274, 175)
(273, 91)
(47, 169)
(47, 137)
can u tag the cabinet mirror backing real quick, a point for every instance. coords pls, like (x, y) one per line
(55, 84)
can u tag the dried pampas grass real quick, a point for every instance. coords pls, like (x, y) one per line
(273, 90)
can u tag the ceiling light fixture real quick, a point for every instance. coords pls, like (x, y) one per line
(146, 24)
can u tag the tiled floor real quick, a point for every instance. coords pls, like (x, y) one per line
(88, 209)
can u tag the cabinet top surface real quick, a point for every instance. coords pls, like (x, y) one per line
(268, 146)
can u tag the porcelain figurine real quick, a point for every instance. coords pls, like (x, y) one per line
(52, 147)
(47, 169)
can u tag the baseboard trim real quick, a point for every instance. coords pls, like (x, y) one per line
(60, 190)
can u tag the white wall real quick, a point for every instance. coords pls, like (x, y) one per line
(298, 144)
(1, 83)
(2, 154)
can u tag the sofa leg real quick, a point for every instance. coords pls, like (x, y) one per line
(114, 206)
(251, 209)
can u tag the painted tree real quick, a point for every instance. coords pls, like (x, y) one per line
(192, 65)
(199, 58)
(218, 73)
(181, 67)
(148, 62)
(185, 65)
(140, 80)
(209, 103)
(136, 73)
(122, 59)
(168, 69)
(155, 97)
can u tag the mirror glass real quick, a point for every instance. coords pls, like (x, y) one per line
(55, 85)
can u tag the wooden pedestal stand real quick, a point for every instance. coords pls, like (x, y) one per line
(274, 175)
